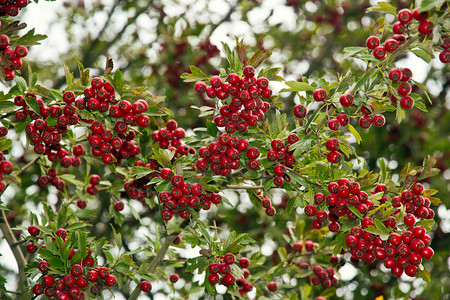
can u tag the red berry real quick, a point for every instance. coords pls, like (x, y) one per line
(119, 206)
(279, 170)
(300, 111)
(419, 16)
(333, 144)
(407, 102)
(249, 71)
(346, 100)
(272, 286)
(398, 27)
(244, 262)
(319, 95)
(365, 122)
(379, 52)
(200, 87)
(391, 45)
(174, 278)
(334, 124)
(444, 56)
(405, 16)
(378, 120)
(334, 157)
(395, 74)
(404, 89)
(372, 42)
(213, 278)
(146, 286)
(426, 27)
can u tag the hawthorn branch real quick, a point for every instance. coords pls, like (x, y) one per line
(244, 187)
(17, 252)
(159, 256)
(27, 166)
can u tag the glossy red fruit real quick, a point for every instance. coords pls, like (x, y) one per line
(272, 286)
(404, 89)
(146, 286)
(334, 124)
(419, 16)
(426, 27)
(213, 278)
(395, 74)
(365, 122)
(319, 95)
(279, 170)
(398, 27)
(174, 278)
(346, 100)
(406, 102)
(444, 56)
(378, 120)
(405, 16)
(409, 219)
(111, 280)
(372, 42)
(343, 119)
(391, 45)
(379, 52)
(244, 262)
(200, 87)
(300, 111)
(333, 144)
(310, 210)
(119, 206)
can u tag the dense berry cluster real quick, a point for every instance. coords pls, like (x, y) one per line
(404, 16)
(6, 167)
(171, 137)
(321, 275)
(222, 156)
(79, 277)
(246, 108)
(52, 179)
(220, 272)
(182, 194)
(281, 154)
(47, 127)
(401, 77)
(333, 145)
(12, 7)
(12, 57)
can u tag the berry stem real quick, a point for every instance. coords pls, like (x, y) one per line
(20, 259)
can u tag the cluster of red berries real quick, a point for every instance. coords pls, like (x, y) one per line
(222, 156)
(170, 137)
(414, 202)
(94, 180)
(333, 145)
(81, 276)
(444, 56)
(404, 17)
(12, 7)
(245, 108)
(367, 120)
(280, 153)
(52, 178)
(6, 167)
(47, 138)
(183, 195)
(220, 272)
(267, 204)
(322, 276)
(402, 252)
(243, 285)
(342, 194)
(401, 76)
(13, 56)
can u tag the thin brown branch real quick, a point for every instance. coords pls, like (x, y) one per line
(17, 252)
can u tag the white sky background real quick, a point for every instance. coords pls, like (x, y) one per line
(43, 18)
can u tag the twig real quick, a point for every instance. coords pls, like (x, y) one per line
(27, 166)
(159, 257)
(17, 252)
(244, 187)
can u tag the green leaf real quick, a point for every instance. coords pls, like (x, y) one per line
(201, 226)
(70, 178)
(259, 57)
(195, 75)
(427, 5)
(428, 224)
(7, 106)
(211, 128)
(355, 133)
(21, 84)
(422, 54)
(118, 82)
(425, 275)
(69, 76)
(30, 39)
(400, 114)
(380, 226)
(351, 51)
(140, 172)
(362, 81)
(383, 7)
(32, 103)
(295, 86)
(271, 74)
(355, 211)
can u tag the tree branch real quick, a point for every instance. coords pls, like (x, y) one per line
(20, 259)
